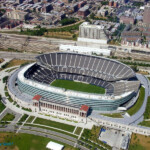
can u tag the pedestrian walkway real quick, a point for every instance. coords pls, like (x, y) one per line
(80, 133)
(75, 129)
(22, 124)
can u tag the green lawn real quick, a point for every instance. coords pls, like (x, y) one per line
(23, 118)
(30, 119)
(138, 104)
(54, 124)
(145, 123)
(147, 110)
(24, 141)
(5, 79)
(8, 96)
(2, 106)
(114, 115)
(78, 86)
(8, 117)
(78, 130)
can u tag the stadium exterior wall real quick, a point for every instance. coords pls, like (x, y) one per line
(60, 114)
(95, 104)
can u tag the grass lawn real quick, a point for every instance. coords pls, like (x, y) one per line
(22, 141)
(78, 130)
(114, 115)
(145, 123)
(2, 106)
(5, 79)
(49, 128)
(139, 142)
(54, 124)
(23, 118)
(8, 117)
(138, 104)
(9, 98)
(147, 110)
(30, 119)
(78, 86)
(9, 70)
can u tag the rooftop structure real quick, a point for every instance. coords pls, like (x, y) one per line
(54, 146)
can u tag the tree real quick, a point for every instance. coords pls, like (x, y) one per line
(92, 16)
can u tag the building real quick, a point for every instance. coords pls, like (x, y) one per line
(85, 50)
(54, 146)
(46, 8)
(81, 4)
(131, 38)
(102, 12)
(127, 20)
(84, 11)
(92, 33)
(31, 87)
(16, 14)
(146, 15)
(45, 105)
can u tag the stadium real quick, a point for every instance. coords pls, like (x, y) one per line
(102, 84)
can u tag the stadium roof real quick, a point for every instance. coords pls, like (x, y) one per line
(54, 146)
(36, 97)
(84, 108)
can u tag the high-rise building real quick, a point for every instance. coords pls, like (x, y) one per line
(146, 15)
(92, 33)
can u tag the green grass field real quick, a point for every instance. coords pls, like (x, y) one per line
(23, 118)
(8, 117)
(138, 104)
(2, 106)
(30, 119)
(114, 115)
(24, 141)
(147, 110)
(54, 124)
(78, 86)
(145, 123)
(78, 130)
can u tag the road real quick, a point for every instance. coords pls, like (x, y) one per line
(44, 133)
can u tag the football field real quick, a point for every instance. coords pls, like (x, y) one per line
(78, 86)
